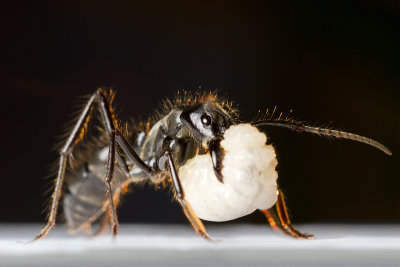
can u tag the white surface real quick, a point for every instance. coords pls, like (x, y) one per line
(249, 177)
(177, 245)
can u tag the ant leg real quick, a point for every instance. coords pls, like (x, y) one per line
(104, 223)
(74, 138)
(187, 209)
(110, 123)
(274, 222)
(108, 179)
(65, 153)
(115, 136)
(285, 221)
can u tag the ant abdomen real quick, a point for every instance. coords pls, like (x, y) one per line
(85, 201)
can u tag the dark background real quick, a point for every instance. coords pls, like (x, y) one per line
(333, 62)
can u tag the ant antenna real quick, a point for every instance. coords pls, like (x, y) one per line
(300, 127)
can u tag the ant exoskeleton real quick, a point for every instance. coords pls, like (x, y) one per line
(188, 138)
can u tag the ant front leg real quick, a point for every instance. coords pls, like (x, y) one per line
(187, 209)
(285, 220)
(283, 224)
(274, 221)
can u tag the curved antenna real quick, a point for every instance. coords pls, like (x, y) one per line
(300, 127)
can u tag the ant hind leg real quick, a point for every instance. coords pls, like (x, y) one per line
(65, 154)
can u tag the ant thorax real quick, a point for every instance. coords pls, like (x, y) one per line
(249, 177)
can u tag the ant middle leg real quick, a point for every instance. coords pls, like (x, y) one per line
(116, 137)
(109, 175)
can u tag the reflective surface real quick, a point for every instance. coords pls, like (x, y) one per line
(174, 245)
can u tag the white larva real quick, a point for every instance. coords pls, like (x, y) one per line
(249, 177)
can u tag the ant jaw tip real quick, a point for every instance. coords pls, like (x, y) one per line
(220, 178)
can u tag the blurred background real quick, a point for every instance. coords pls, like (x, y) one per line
(335, 62)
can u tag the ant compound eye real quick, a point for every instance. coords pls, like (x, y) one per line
(206, 119)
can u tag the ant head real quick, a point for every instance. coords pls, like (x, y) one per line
(206, 121)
